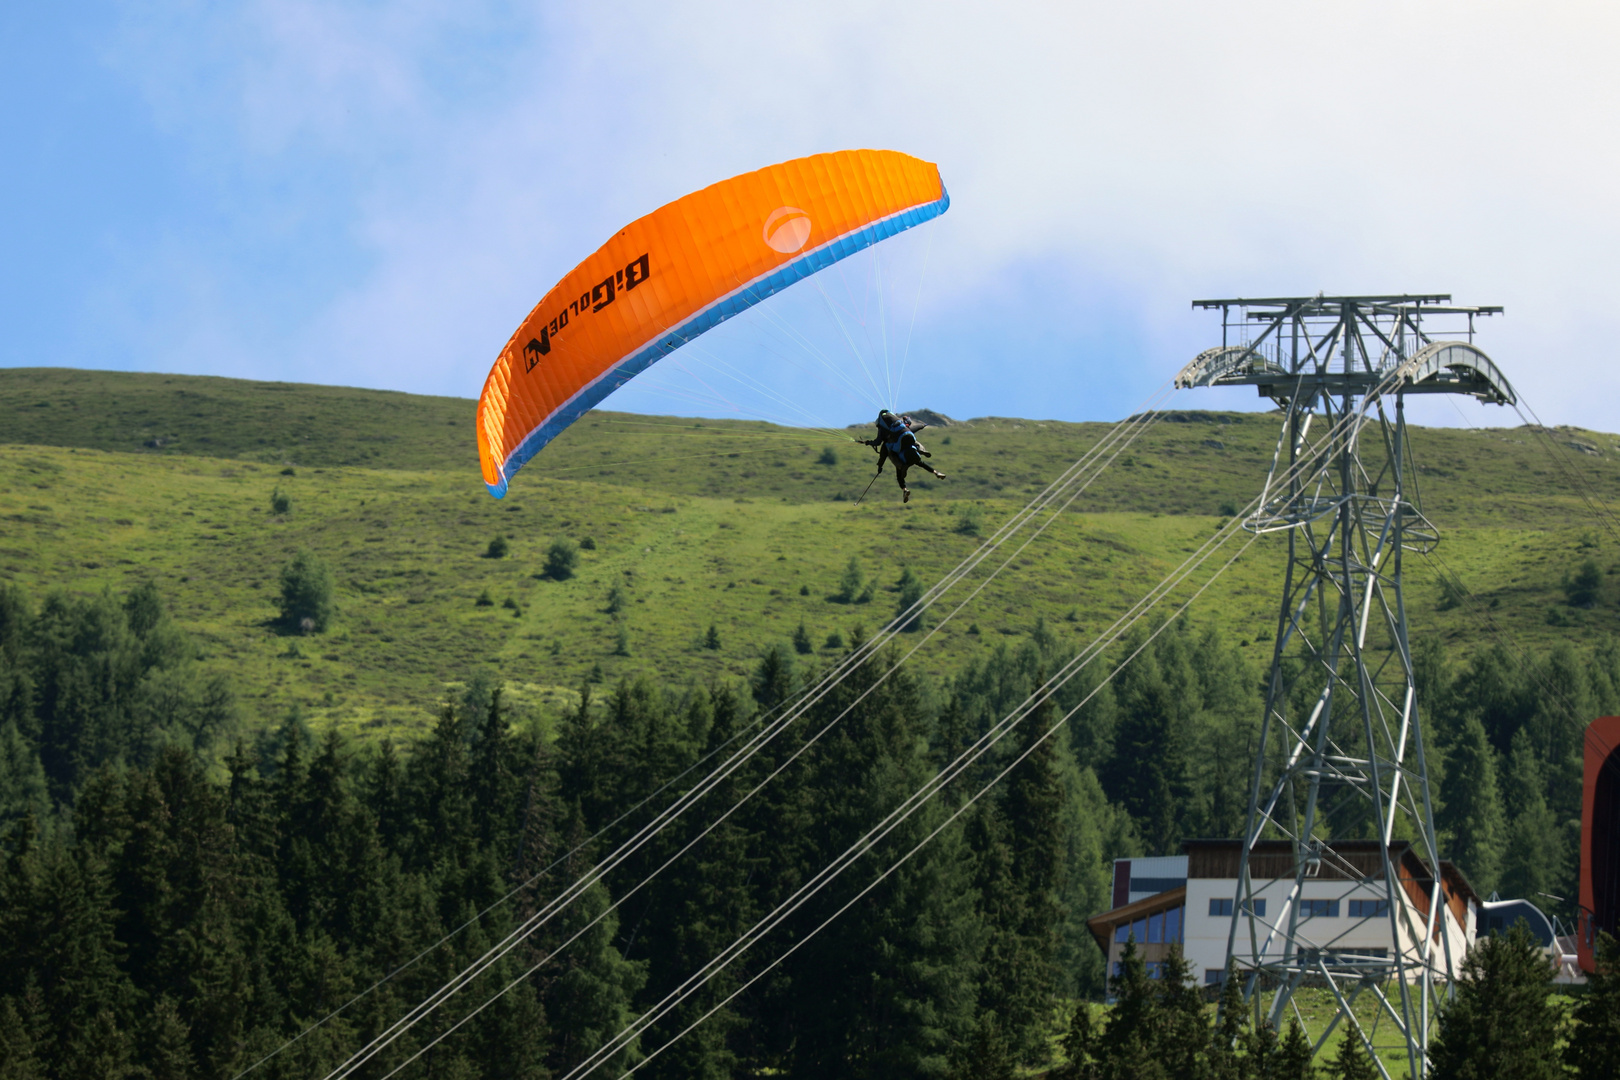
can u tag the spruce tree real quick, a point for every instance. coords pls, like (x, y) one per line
(1502, 1023)
(1472, 812)
(1078, 1047)
(850, 582)
(1033, 806)
(1293, 1059)
(494, 779)
(1352, 1061)
(910, 590)
(1532, 861)
(773, 678)
(17, 1058)
(701, 905)
(1225, 1061)
(889, 986)
(1185, 1034)
(1147, 773)
(1593, 1051)
(167, 1053)
(22, 776)
(1130, 1047)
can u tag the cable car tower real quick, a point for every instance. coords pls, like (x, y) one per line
(1340, 790)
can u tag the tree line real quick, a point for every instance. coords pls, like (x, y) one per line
(1502, 1021)
(178, 898)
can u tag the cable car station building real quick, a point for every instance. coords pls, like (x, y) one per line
(1341, 913)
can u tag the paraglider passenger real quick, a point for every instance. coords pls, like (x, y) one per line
(897, 440)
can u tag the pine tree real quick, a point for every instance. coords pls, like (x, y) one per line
(59, 924)
(1095, 833)
(22, 777)
(1593, 1051)
(1533, 860)
(588, 988)
(1502, 1022)
(1078, 1047)
(698, 907)
(773, 679)
(1185, 1035)
(889, 986)
(1021, 977)
(1147, 773)
(167, 1053)
(1473, 807)
(1352, 1061)
(494, 780)
(910, 590)
(849, 583)
(1224, 1060)
(986, 1055)
(17, 1058)
(1293, 1060)
(1129, 1048)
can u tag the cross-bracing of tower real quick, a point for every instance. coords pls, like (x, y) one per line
(1339, 799)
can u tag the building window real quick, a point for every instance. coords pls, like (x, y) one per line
(1160, 928)
(1214, 976)
(1224, 907)
(1317, 909)
(1368, 909)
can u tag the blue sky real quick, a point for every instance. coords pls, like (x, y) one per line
(375, 195)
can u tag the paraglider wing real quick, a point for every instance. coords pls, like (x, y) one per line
(685, 268)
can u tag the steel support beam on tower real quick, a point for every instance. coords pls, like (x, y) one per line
(1341, 753)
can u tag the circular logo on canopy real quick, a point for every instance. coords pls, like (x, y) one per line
(786, 229)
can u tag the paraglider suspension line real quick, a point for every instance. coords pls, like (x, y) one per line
(869, 484)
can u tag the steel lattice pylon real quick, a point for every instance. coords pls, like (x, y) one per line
(1340, 790)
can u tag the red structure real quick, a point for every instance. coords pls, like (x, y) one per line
(1600, 837)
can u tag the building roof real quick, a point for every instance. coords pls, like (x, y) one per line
(1344, 860)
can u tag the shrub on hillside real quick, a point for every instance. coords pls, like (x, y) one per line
(280, 503)
(1585, 588)
(497, 549)
(853, 588)
(561, 558)
(306, 594)
(910, 587)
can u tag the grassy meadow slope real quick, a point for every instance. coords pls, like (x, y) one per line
(107, 479)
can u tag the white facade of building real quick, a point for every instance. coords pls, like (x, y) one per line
(1187, 900)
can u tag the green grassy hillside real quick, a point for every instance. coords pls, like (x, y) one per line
(107, 479)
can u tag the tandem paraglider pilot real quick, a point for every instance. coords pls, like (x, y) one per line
(897, 441)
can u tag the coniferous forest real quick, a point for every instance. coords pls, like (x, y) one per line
(178, 899)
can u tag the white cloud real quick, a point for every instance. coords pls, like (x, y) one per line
(1166, 149)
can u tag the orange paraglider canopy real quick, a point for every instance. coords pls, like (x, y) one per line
(683, 269)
